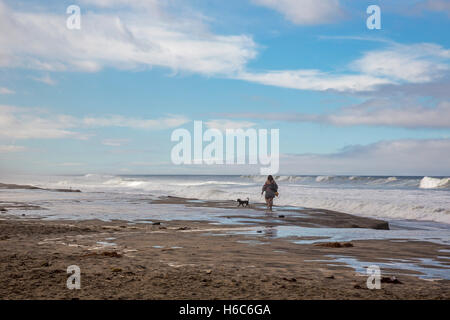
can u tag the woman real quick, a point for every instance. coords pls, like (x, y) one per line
(271, 189)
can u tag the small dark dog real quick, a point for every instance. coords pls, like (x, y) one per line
(243, 203)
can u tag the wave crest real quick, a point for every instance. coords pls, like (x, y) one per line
(434, 183)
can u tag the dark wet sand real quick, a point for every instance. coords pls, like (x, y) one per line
(28, 187)
(191, 260)
(310, 217)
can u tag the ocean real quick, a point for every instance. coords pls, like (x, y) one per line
(392, 198)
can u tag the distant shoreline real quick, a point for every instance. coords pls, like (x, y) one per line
(30, 187)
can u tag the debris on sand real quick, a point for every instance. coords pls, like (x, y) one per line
(392, 279)
(335, 244)
(111, 254)
(290, 279)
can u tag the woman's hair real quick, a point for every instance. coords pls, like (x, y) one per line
(270, 178)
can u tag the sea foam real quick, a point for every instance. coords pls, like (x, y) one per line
(434, 183)
(389, 197)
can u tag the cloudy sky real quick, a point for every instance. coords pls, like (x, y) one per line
(106, 98)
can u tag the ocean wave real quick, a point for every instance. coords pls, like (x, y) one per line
(119, 182)
(324, 178)
(382, 203)
(434, 183)
(96, 176)
(262, 179)
(205, 183)
(373, 196)
(347, 180)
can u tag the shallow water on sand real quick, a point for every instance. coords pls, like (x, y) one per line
(316, 235)
(140, 208)
(424, 268)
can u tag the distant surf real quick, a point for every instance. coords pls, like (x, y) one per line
(434, 183)
(384, 197)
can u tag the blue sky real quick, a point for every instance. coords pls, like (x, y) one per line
(106, 98)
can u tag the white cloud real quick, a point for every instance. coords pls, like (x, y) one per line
(397, 64)
(121, 121)
(409, 116)
(29, 123)
(148, 4)
(375, 112)
(114, 142)
(23, 123)
(315, 80)
(415, 63)
(136, 39)
(436, 5)
(305, 12)
(45, 79)
(396, 157)
(141, 34)
(4, 90)
(222, 124)
(11, 148)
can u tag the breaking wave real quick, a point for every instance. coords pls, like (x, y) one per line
(388, 197)
(434, 183)
(343, 180)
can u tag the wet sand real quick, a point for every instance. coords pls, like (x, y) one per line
(11, 186)
(200, 260)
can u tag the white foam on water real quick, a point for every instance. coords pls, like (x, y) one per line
(434, 183)
(391, 198)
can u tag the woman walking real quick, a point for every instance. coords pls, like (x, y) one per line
(271, 189)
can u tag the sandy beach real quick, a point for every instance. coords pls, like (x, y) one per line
(144, 144)
(189, 259)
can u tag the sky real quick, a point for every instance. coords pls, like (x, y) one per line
(106, 98)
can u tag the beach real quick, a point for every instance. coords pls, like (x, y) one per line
(144, 144)
(233, 253)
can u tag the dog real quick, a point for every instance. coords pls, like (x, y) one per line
(243, 203)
